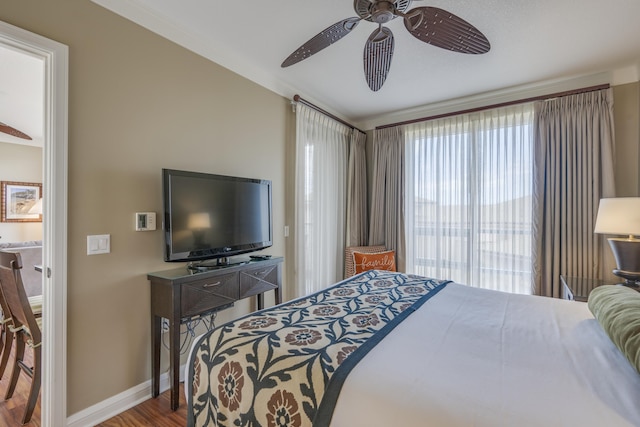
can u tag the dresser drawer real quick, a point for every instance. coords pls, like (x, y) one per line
(204, 295)
(258, 280)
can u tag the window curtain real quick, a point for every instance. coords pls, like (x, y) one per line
(387, 194)
(322, 153)
(469, 190)
(574, 169)
(357, 219)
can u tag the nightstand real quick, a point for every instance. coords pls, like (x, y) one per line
(578, 288)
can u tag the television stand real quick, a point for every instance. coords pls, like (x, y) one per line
(202, 267)
(182, 293)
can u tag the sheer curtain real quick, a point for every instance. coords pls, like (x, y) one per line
(574, 163)
(468, 201)
(322, 154)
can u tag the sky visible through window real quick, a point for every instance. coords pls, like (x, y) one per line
(468, 205)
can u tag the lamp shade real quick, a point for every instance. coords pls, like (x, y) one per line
(620, 215)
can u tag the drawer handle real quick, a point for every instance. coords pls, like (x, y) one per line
(211, 285)
(261, 273)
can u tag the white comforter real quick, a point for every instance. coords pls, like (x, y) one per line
(472, 357)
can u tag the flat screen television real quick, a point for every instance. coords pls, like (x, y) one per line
(209, 216)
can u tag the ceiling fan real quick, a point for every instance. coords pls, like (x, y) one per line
(4, 128)
(428, 24)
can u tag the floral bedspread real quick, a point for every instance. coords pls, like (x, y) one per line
(284, 366)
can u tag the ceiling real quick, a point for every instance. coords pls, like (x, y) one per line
(532, 43)
(22, 95)
(536, 47)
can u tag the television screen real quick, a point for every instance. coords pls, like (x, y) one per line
(214, 216)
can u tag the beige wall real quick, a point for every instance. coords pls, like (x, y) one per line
(626, 116)
(626, 108)
(138, 103)
(20, 163)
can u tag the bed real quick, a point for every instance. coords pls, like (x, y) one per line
(390, 349)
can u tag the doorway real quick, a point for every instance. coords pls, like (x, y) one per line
(54, 352)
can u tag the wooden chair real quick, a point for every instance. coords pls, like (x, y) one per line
(6, 336)
(24, 325)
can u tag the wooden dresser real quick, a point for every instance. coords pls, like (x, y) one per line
(180, 294)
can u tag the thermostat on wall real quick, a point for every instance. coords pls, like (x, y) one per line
(145, 221)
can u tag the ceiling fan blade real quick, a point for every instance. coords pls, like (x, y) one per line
(446, 30)
(321, 40)
(378, 52)
(4, 128)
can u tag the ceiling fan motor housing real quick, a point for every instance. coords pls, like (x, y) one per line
(380, 11)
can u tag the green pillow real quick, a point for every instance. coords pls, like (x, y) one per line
(617, 309)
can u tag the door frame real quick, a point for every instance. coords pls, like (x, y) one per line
(55, 57)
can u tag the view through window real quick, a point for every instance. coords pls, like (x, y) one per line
(468, 202)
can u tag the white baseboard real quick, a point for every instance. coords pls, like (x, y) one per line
(119, 403)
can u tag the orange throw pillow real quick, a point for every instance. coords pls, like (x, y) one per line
(376, 261)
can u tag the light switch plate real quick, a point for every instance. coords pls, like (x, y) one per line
(99, 244)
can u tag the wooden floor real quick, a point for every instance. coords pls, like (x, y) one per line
(153, 412)
(12, 410)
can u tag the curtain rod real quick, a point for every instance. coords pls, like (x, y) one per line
(297, 98)
(502, 104)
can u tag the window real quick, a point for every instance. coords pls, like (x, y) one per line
(469, 198)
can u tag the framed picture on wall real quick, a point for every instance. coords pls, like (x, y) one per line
(21, 202)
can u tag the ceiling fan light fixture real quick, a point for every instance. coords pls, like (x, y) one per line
(428, 24)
